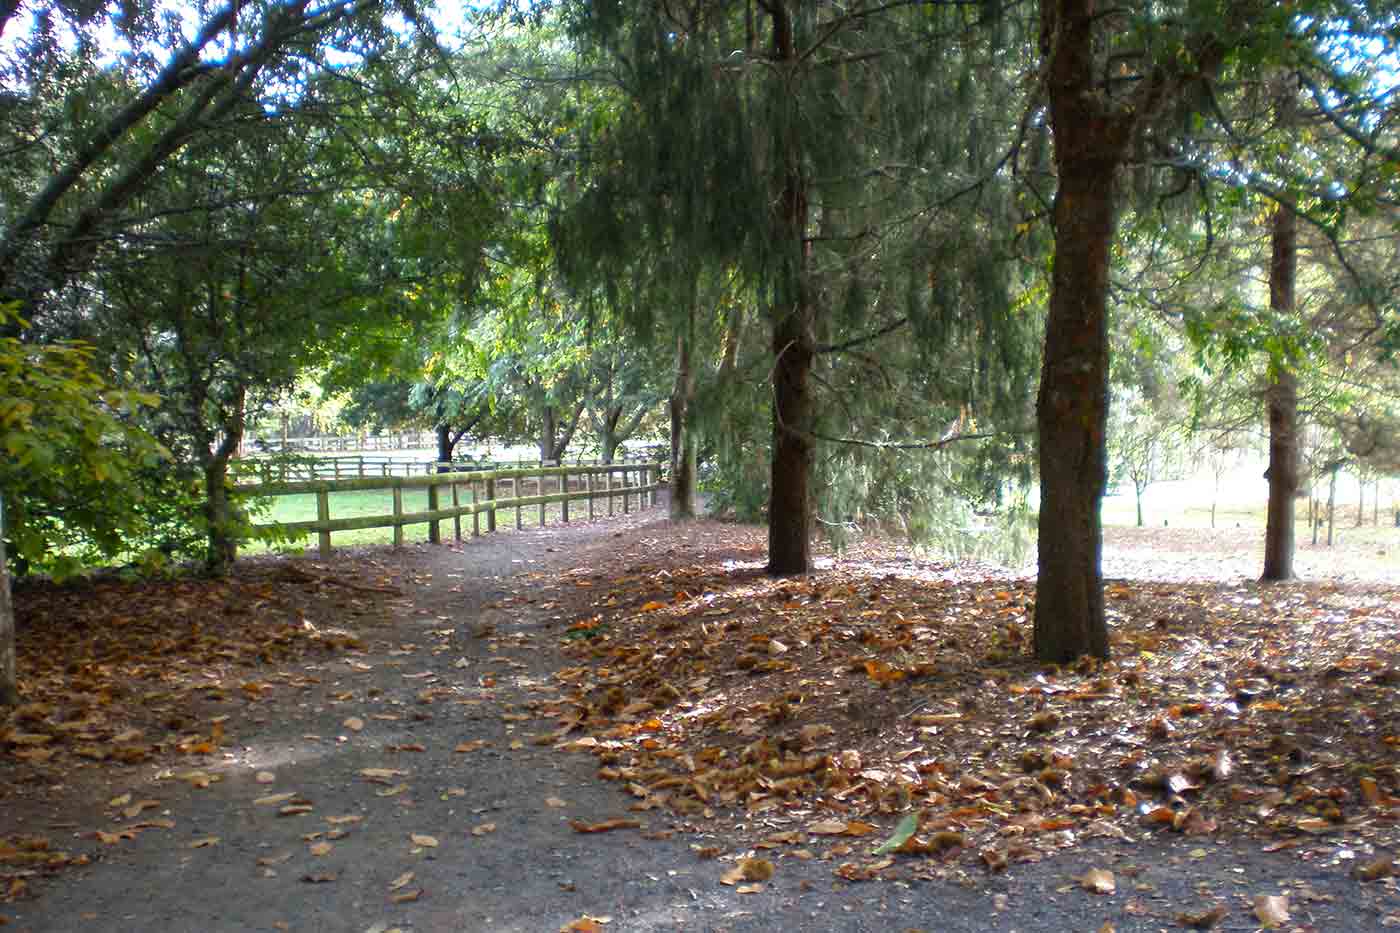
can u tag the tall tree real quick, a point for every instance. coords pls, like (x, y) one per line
(1281, 399)
(817, 153)
(109, 157)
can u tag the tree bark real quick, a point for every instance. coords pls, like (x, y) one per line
(220, 512)
(9, 680)
(789, 491)
(682, 440)
(1282, 401)
(1072, 406)
(1072, 418)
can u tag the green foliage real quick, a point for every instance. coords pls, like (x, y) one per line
(81, 480)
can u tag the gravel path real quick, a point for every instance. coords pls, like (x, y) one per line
(444, 840)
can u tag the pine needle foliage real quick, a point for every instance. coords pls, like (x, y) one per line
(889, 127)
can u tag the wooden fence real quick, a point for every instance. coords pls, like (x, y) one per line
(404, 440)
(284, 470)
(632, 483)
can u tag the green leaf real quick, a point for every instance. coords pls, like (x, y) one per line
(902, 834)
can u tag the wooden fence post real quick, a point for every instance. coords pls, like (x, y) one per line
(398, 516)
(626, 496)
(607, 490)
(456, 519)
(476, 515)
(323, 514)
(515, 491)
(434, 529)
(544, 464)
(491, 504)
(588, 483)
(564, 489)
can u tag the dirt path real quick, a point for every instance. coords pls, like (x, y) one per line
(399, 788)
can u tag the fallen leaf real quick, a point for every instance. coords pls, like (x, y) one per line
(605, 826)
(354, 724)
(585, 924)
(555, 802)
(902, 834)
(1098, 880)
(404, 897)
(205, 843)
(1271, 909)
(429, 842)
(749, 869)
(1203, 920)
(401, 881)
(1383, 867)
(324, 877)
(321, 848)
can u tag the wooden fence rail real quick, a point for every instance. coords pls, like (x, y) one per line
(249, 470)
(632, 483)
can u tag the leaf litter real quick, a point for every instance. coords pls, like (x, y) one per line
(889, 696)
(883, 714)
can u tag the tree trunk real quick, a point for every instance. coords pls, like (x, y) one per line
(445, 443)
(789, 493)
(682, 441)
(548, 426)
(9, 682)
(1138, 489)
(1072, 417)
(1282, 401)
(1331, 504)
(1090, 145)
(1360, 502)
(225, 524)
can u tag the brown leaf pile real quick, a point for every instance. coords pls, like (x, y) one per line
(818, 709)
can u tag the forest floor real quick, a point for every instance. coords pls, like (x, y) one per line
(627, 726)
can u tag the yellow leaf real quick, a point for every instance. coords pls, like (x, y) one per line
(1271, 909)
(421, 840)
(321, 848)
(1098, 880)
(652, 606)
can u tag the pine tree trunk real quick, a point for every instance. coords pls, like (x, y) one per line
(1282, 401)
(1091, 143)
(789, 493)
(682, 441)
(1072, 418)
(9, 682)
(789, 502)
